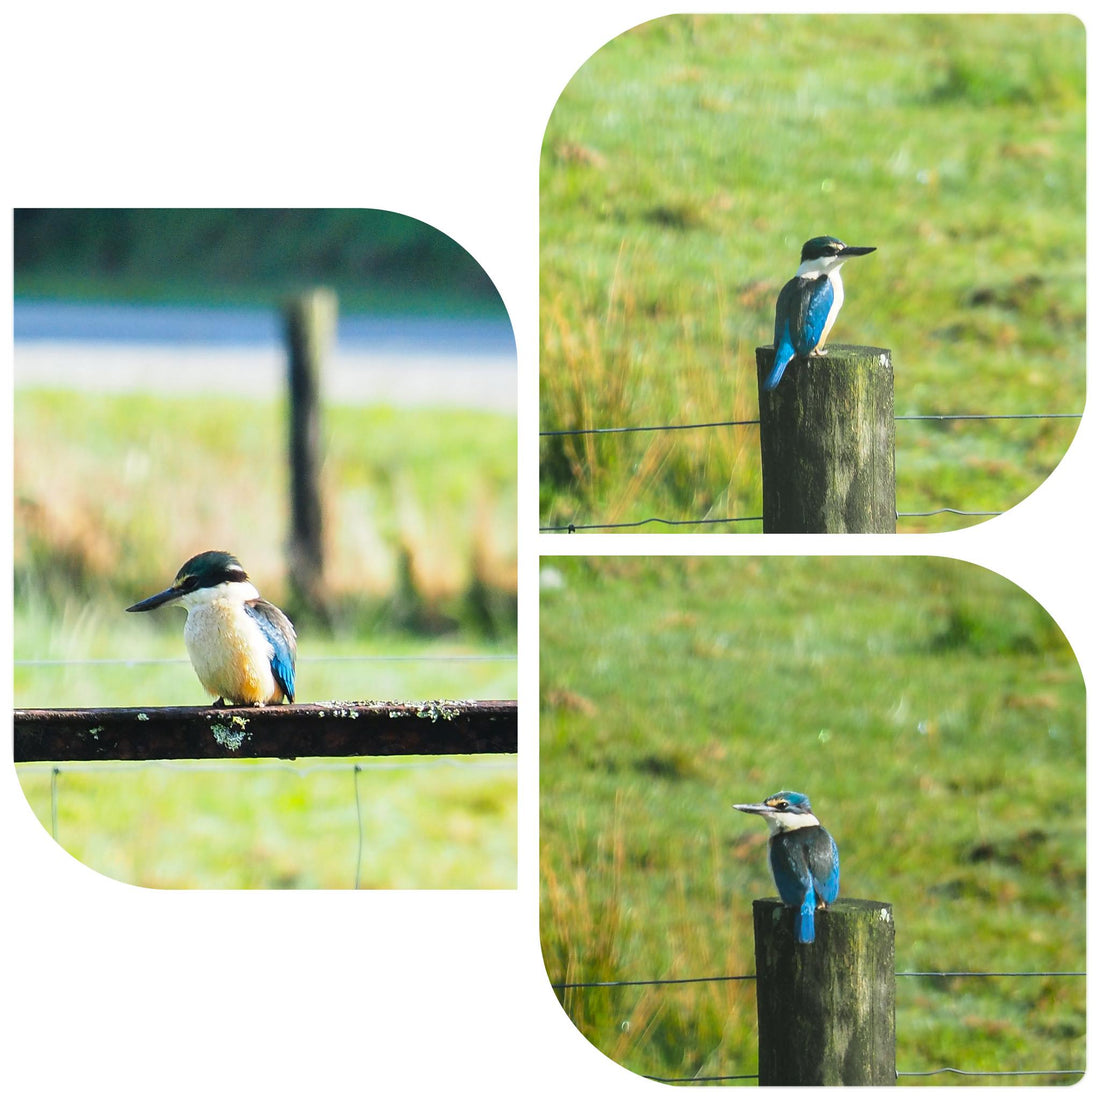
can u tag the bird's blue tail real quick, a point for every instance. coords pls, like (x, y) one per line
(804, 925)
(784, 353)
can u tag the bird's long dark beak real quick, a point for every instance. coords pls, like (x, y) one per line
(751, 807)
(164, 597)
(856, 250)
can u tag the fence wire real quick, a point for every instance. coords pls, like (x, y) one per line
(988, 1072)
(356, 768)
(359, 827)
(897, 1073)
(44, 662)
(897, 974)
(572, 528)
(749, 423)
(651, 428)
(403, 764)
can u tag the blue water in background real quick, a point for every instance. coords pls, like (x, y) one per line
(249, 327)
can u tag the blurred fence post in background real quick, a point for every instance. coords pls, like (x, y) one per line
(827, 443)
(826, 1009)
(310, 326)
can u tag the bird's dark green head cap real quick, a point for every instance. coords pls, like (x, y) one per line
(209, 568)
(205, 570)
(818, 248)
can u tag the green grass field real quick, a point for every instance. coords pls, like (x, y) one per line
(933, 712)
(113, 493)
(684, 165)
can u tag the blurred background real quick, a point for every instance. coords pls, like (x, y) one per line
(682, 169)
(935, 715)
(151, 422)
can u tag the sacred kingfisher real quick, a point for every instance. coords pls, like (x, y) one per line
(807, 306)
(242, 647)
(804, 859)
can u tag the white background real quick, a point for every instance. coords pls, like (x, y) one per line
(436, 111)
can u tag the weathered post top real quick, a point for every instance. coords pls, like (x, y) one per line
(827, 442)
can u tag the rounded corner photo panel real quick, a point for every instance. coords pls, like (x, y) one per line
(812, 820)
(812, 273)
(265, 548)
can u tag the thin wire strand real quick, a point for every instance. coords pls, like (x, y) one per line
(44, 661)
(897, 1073)
(897, 974)
(703, 1080)
(990, 974)
(986, 1072)
(359, 825)
(278, 765)
(571, 527)
(941, 511)
(991, 416)
(654, 981)
(506, 762)
(749, 423)
(414, 657)
(651, 428)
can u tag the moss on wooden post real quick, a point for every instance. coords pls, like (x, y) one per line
(827, 442)
(826, 1009)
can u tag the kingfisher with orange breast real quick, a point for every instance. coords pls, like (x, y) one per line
(242, 647)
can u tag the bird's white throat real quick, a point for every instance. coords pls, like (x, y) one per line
(238, 592)
(784, 823)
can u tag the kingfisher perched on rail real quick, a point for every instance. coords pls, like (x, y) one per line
(804, 858)
(243, 648)
(808, 305)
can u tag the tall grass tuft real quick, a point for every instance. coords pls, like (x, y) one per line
(592, 932)
(597, 373)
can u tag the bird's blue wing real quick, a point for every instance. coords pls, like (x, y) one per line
(795, 883)
(800, 315)
(784, 348)
(806, 867)
(825, 867)
(278, 631)
(810, 312)
(790, 869)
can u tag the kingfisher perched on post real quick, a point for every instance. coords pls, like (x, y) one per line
(243, 648)
(807, 306)
(804, 859)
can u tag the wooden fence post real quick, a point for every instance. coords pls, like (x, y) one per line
(827, 442)
(826, 1009)
(310, 324)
